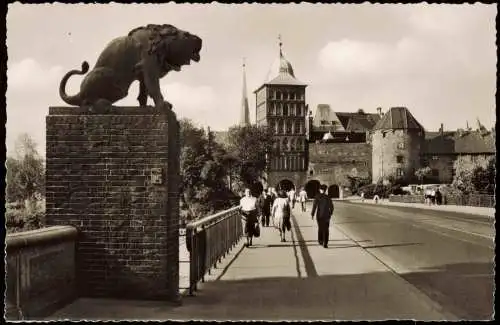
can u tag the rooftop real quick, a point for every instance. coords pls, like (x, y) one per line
(460, 142)
(398, 118)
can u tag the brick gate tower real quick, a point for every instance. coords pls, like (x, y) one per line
(280, 105)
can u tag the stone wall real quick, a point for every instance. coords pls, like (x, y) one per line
(331, 163)
(101, 178)
(40, 271)
(387, 145)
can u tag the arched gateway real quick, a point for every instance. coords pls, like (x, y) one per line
(285, 185)
(334, 191)
(312, 188)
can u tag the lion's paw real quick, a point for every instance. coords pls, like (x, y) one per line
(167, 106)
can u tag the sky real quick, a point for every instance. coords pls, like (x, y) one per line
(437, 60)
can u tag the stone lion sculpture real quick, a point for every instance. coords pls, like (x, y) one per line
(146, 54)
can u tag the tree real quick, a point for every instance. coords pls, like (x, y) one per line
(356, 182)
(483, 177)
(249, 145)
(474, 175)
(25, 172)
(203, 173)
(423, 173)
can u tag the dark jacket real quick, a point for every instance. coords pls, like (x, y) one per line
(322, 207)
(264, 204)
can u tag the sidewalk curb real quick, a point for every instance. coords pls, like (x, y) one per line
(490, 215)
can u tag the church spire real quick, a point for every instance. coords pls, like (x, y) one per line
(245, 112)
(280, 44)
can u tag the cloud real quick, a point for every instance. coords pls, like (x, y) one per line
(30, 75)
(348, 56)
(189, 100)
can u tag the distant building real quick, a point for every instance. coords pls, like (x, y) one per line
(330, 146)
(281, 106)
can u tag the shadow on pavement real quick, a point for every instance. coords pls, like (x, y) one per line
(369, 296)
(466, 289)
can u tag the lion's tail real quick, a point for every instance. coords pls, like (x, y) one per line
(76, 99)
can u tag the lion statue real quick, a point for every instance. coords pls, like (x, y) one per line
(146, 54)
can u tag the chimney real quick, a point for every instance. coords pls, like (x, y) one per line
(379, 111)
(441, 130)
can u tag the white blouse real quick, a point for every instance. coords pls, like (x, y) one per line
(248, 203)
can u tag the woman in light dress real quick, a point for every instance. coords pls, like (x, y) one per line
(281, 213)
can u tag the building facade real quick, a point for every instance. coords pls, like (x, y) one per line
(280, 105)
(332, 147)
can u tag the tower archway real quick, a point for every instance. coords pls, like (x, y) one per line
(312, 188)
(334, 191)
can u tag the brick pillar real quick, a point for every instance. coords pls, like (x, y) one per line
(100, 179)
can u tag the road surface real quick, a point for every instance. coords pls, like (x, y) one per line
(448, 256)
(383, 262)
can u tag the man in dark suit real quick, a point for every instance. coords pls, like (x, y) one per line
(323, 208)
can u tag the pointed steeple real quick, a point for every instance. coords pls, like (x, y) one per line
(245, 111)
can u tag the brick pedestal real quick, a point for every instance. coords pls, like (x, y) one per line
(101, 179)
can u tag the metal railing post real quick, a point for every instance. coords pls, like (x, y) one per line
(208, 240)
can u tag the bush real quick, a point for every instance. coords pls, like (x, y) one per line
(374, 189)
(18, 219)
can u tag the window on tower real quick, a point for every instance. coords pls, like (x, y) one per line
(278, 95)
(284, 144)
(280, 127)
(285, 110)
(279, 109)
(289, 127)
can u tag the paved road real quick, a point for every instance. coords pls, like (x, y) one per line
(383, 262)
(448, 256)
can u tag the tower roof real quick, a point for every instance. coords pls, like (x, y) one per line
(398, 118)
(285, 73)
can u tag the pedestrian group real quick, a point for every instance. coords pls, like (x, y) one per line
(274, 209)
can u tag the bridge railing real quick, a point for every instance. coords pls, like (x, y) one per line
(477, 200)
(208, 240)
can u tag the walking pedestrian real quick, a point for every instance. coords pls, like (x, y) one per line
(291, 196)
(433, 196)
(266, 209)
(248, 205)
(281, 212)
(272, 196)
(303, 199)
(323, 210)
(439, 197)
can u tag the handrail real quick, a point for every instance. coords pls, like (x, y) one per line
(207, 220)
(209, 240)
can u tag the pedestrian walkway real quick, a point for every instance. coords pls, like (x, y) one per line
(293, 280)
(482, 211)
